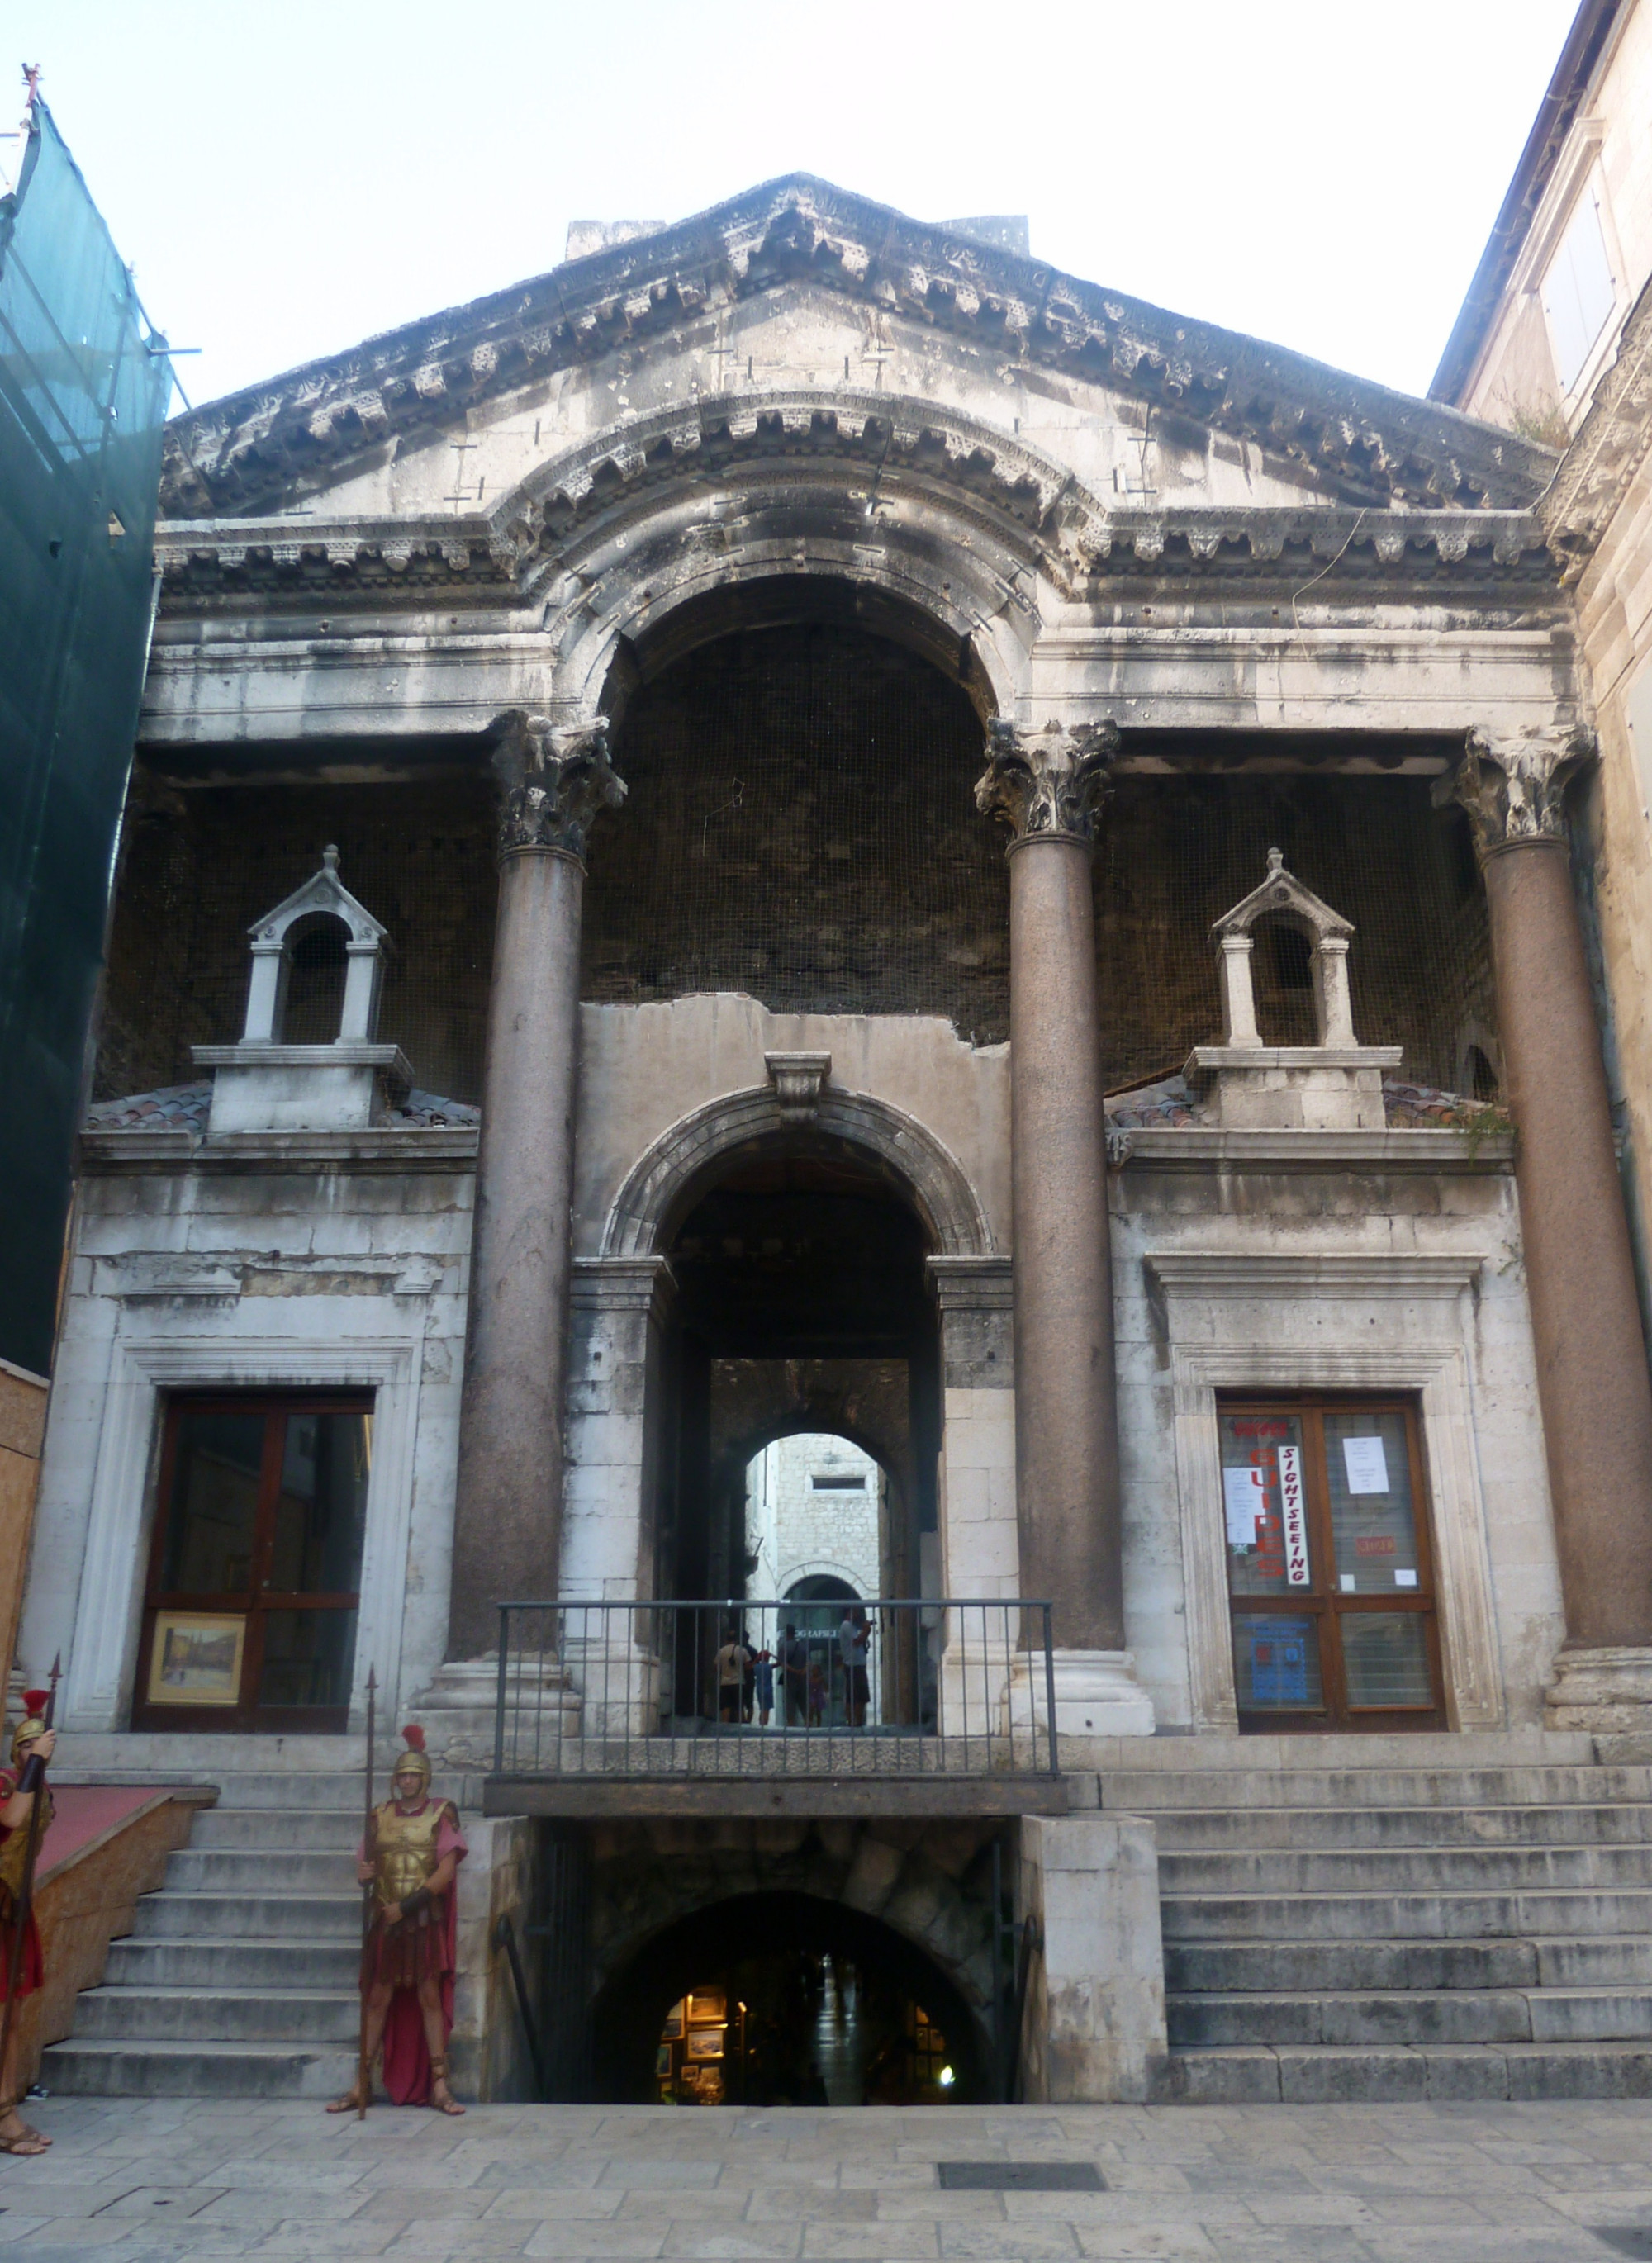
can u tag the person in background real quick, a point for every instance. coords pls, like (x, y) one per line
(763, 1678)
(795, 1677)
(732, 1661)
(852, 1644)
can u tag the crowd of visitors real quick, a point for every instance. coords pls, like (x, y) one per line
(819, 1673)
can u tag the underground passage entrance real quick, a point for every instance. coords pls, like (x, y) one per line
(783, 1999)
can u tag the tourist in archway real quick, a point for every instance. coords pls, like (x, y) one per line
(852, 1637)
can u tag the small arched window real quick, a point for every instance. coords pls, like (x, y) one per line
(317, 964)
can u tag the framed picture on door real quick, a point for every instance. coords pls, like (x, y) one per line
(196, 1658)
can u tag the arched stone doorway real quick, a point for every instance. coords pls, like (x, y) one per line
(675, 1903)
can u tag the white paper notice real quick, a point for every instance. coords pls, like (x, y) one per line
(1245, 1499)
(1405, 1578)
(1366, 1465)
(1295, 1511)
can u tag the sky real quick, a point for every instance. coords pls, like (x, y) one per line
(288, 176)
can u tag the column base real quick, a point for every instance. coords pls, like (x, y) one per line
(460, 1708)
(1607, 1692)
(1096, 1693)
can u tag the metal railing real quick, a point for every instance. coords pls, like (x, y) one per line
(953, 1686)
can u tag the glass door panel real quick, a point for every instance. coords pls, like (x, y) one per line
(1372, 1520)
(1273, 1564)
(256, 1565)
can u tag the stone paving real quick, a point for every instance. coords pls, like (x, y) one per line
(182, 2180)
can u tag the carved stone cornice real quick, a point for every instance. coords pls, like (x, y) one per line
(1609, 448)
(293, 434)
(1048, 783)
(1514, 789)
(554, 781)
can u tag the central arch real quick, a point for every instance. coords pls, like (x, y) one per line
(659, 1189)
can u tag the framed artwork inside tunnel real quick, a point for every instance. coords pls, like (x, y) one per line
(1330, 1573)
(254, 1567)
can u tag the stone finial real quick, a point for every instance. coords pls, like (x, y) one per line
(1334, 1084)
(322, 894)
(1048, 783)
(1514, 788)
(1282, 892)
(554, 779)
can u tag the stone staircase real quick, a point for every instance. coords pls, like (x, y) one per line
(1382, 1919)
(239, 1977)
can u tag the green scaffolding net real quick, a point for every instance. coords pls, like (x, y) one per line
(83, 394)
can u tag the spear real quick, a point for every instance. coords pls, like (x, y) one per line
(31, 1780)
(369, 1848)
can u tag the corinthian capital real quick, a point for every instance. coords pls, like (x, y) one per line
(1048, 782)
(554, 780)
(1513, 788)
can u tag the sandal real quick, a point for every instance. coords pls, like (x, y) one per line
(448, 2104)
(351, 2102)
(23, 2138)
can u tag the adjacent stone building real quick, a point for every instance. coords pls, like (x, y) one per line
(1033, 932)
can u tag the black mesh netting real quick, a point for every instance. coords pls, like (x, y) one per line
(199, 866)
(1176, 853)
(800, 825)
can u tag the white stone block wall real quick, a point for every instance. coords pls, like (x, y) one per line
(800, 1531)
(1324, 1281)
(283, 1279)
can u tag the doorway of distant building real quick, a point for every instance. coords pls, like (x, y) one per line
(1330, 1570)
(255, 1570)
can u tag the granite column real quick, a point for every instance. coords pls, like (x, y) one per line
(1047, 786)
(508, 1526)
(1591, 1362)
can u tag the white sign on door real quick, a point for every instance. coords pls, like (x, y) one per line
(1366, 1465)
(1244, 1497)
(1294, 1509)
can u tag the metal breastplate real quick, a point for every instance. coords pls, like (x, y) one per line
(405, 1850)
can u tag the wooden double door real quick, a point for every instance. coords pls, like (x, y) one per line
(255, 1572)
(1330, 1575)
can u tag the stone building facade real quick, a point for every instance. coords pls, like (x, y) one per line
(749, 587)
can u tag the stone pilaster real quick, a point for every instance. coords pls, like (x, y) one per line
(1048, 787)
(555, 782)
(1591, 1362)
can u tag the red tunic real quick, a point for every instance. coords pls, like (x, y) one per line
(32, 1962)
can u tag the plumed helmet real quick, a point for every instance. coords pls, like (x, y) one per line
(415, 1760)
(32, 1725)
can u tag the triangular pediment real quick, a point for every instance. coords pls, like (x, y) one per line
(297, 435)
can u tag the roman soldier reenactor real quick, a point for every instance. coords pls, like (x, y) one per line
(410, 1858)
(21, 1961)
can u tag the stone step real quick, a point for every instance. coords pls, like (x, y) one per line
(1459, 2015)
(299, 1830)
(1396, 1869)
(1292, 1966)
(1354, 1752)
(245, 1869)
(340, 1795)
(1141, 1792)
(196, 2070)
(1215, 1829)
(1443, 1916)
(201, 1961)
(309, 2017)
(301, 1917)
(1306, 2075)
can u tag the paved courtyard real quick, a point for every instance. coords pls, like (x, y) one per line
(180, 2179)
